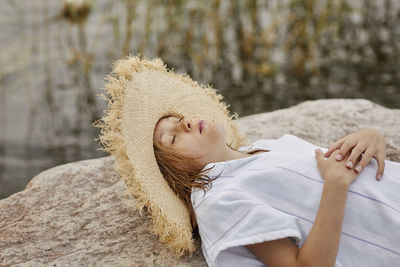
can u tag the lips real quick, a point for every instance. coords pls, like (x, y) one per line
(201, 124)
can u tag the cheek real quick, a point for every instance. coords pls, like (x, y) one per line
(219, 132)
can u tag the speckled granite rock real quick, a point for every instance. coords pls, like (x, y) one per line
(75, 214)
(324, 121)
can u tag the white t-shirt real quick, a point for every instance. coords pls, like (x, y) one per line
(276, 194)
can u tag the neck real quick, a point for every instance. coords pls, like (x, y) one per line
(230, 154)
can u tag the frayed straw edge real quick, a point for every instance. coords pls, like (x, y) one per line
(112, 140)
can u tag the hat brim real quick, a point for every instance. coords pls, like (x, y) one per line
(142, 91)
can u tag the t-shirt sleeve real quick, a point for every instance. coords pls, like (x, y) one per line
(233, 218)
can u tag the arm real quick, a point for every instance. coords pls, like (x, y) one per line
(322, 244)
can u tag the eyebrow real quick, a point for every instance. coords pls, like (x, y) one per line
(161, 135)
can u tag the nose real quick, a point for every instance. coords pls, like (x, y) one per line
(186, 124)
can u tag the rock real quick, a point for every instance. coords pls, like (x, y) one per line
(76, 214)
(322, 122)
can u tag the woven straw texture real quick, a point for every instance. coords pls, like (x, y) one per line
(139, 92)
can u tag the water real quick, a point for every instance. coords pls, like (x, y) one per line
(261, 55)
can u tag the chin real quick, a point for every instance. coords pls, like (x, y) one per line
(219, 129)
(220, 134)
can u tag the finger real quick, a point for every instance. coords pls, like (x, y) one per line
(355, 154)
(319, 156)
(364, 161)
(318, 153)
(381, 165)
(345, 149)
(333, 147)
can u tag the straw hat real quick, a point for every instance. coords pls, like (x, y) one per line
(140, 92)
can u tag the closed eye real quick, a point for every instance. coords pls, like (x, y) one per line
(173, 139)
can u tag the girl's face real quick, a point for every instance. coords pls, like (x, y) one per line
(184, 133)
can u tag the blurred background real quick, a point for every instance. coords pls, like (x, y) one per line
(261, 55)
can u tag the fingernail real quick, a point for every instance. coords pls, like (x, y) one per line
(339, 157)
(349, 164)
(379, 177)
(358, 168)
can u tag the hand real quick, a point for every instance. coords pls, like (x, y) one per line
(333, 170)
(367, 141)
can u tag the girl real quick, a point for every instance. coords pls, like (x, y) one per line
(283, 202)
(278, 202)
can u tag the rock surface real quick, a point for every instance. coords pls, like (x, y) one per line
(76, 214)
(322, 122)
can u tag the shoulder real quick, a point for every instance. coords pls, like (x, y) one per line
(281, 138)
(222, 202)
(270, 143)
(286, 140)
